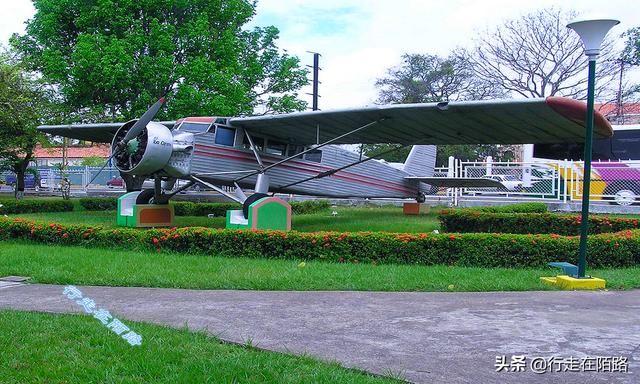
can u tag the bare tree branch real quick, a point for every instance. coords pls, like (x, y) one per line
(538, 56)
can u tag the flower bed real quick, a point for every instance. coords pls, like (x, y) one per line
(620, 249)
(473, 221)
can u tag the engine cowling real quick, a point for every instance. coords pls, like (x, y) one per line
(145, 154)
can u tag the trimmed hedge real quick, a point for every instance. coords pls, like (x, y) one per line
(620, 249)
(188, 208)
(99, 203)
(472, 221)
(514, 208)
(10, 206)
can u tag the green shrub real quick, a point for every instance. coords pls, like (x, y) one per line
(188, 208)
(309, 206)
(620, 249)
(472, 221)
(99, 203)
(10, 206)
(514, 208)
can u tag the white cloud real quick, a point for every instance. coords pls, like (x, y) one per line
(359, 39)
(13, 14)
(370, 36)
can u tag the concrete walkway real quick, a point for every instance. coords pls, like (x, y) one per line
(427, 337)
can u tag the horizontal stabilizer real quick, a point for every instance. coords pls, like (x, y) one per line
(458, 182)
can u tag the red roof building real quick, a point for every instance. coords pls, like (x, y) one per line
(53, 155)
(627, 113)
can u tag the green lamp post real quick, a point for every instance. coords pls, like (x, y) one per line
(592, 33)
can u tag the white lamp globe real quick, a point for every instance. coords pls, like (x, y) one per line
(592, 33)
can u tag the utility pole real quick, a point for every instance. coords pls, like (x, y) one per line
(316, 69)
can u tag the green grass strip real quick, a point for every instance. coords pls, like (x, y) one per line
(45, 348)
(77, 265)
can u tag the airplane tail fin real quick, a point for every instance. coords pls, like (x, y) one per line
(421, 160)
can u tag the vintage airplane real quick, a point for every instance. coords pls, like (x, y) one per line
(298, 152)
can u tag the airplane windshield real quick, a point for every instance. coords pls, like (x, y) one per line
(194, 127)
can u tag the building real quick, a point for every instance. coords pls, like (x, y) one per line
(46, 157)
(620, 114)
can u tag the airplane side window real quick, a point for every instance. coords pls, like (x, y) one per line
(295, 150)
(225, 136)
(315, 156)
(257, 141)
(276, 148)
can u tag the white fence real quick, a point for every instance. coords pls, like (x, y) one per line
(559, 181)
(50, 178)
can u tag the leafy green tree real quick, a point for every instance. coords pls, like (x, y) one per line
(631, 52)
(113, 58)
(427, 79)
(630, 57)
(92, 161)
(398, 156)
(23, 102)
(430, 78)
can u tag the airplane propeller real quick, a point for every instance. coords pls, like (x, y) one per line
(132, 133)
(143, 121)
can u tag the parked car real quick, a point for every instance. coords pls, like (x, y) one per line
(30, 181)
(510, 182)
(54, 182)
(115, 182)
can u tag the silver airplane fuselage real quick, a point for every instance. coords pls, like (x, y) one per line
(217, 163)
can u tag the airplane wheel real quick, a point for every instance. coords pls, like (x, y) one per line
(147, 196)
(250, 200)
(421, 198)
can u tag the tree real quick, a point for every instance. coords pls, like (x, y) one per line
(92, 161)
(430, 78)
(472, 152)
(397, 156)
(538, 56)
(112, 59)
(23, 102)
(630, 57)
(631, 51)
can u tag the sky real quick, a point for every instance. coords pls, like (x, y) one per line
(360, 39)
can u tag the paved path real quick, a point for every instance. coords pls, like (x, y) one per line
(428, 337)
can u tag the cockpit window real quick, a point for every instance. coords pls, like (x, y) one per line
(257, 141)
(194, 127)
(276, 148)
(225, 136)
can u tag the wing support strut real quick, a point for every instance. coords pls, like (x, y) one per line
(332, 171)
(219, 190)
(254, 150)
(263, 170)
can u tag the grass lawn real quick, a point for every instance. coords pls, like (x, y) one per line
(82, 266)
(46, 348)
(348, 219)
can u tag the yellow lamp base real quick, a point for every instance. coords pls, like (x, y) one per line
(571, 283)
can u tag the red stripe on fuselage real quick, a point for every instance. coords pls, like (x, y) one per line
(377, 183)
(317, 168)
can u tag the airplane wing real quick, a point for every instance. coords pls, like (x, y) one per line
(550, 120)
(97, 133)
(458, 182)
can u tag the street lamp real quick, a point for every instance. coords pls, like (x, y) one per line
(592, 33)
